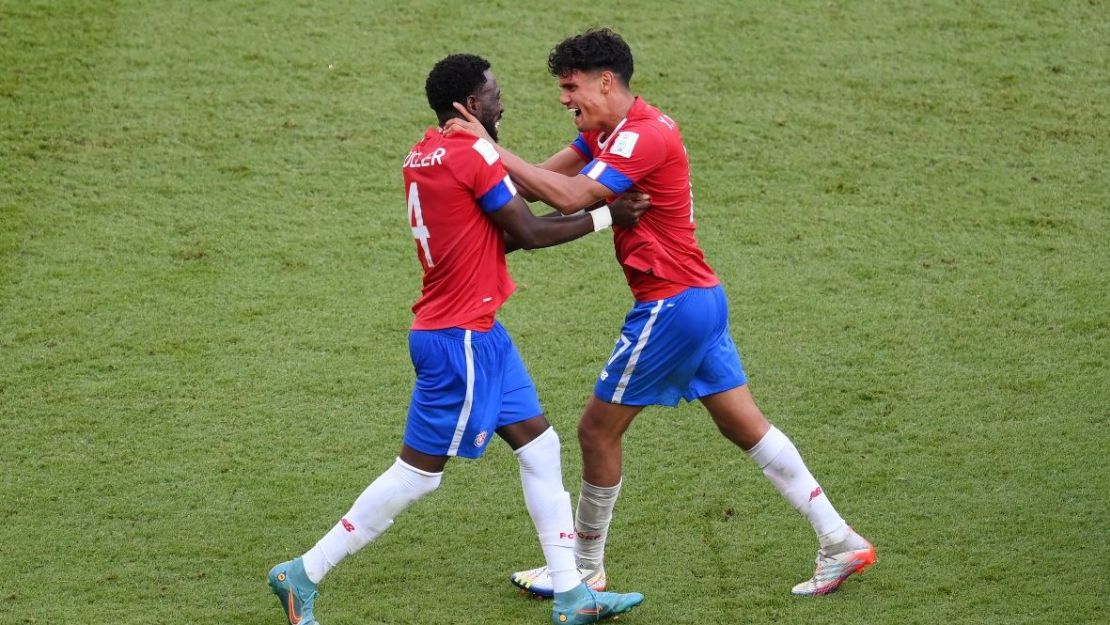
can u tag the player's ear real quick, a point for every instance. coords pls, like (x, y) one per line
(473, 104)
(606, 82)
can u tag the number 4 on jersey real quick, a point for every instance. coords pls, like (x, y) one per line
(416, 220)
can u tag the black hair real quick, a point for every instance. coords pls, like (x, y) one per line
(453, 79)
(595, 49)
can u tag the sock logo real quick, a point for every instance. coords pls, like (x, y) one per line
(347, 525)
(585, 536)
(815, 494)
(566, 535)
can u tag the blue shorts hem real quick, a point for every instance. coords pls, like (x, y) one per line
(713, 390)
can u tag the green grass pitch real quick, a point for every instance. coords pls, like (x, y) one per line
(205, 282)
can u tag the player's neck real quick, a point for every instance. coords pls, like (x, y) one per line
(621, 104)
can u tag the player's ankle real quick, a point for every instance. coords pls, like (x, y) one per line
(835, 537)
(572, 595)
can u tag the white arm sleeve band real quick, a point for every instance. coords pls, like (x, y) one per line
(602, 217)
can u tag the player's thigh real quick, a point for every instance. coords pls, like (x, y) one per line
(457, 394)
(604, 422)
(659, 349)
(439, 392)
(720, 369)
(520, 419)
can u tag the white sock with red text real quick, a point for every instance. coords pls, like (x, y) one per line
(595, 512)
(372, 513)
(548, 504)
(784, 467)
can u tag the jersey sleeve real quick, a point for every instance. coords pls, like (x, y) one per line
(481, 169)
(633, 154)
(582, 146)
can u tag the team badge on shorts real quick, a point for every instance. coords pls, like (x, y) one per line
(480, 439)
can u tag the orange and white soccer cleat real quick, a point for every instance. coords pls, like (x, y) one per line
(837, 563)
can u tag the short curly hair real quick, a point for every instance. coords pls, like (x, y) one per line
(453, 79)
(595, 49)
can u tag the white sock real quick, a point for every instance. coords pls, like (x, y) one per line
(783, 465)
(595, 512)
(372, 513)
(548, 503)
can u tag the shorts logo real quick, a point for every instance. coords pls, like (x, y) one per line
(480, 439)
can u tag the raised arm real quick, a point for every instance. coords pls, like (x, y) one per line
(565, 161)
(567, 194)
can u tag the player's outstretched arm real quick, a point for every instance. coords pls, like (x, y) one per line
(567, 194)
(565, 161)
(523, 230)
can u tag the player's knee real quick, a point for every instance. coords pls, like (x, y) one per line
(416, 483)
(540, 452)
(426, 487)
(592, 435)
(744, 428)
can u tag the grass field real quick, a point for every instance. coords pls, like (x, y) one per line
(205, 282)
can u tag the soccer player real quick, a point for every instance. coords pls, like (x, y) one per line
(675, 343)
(470, 381)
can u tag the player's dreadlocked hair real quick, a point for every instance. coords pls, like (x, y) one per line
(595, 49)
(453, 79)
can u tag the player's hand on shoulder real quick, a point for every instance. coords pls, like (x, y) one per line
(628, 207)
(470, 124)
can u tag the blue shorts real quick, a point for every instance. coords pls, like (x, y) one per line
(671, 349)
(468, 384)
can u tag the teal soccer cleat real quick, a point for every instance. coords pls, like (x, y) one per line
(295, 591)
(582, 605)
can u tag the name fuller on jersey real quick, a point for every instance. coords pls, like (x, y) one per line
(419, 159)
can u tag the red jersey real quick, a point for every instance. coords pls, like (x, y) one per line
(660, 256)
(450, 183)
